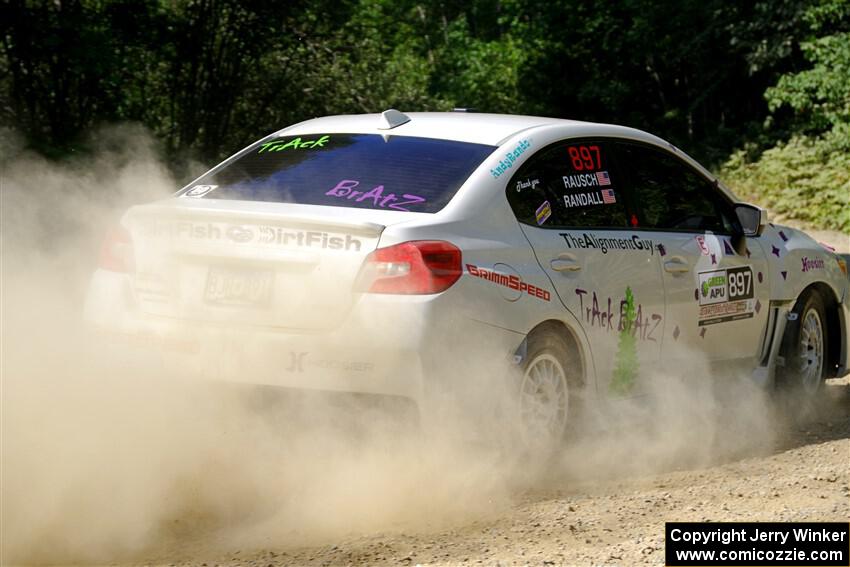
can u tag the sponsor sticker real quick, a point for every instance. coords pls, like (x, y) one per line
(712, 287)
(810, 264)
(703, 247)
(511, 281)
(199, 190)
(293, 144)
(599, 312)
(261, 234)
(509, 159)
(375, 196)
(604, 243)
(725, 295)
(725, 312)
(543, 212)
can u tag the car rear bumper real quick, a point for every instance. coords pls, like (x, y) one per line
(387, 344)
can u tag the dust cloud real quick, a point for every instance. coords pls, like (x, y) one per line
(109, 454)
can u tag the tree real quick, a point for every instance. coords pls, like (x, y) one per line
(626, 369)
(820, 95)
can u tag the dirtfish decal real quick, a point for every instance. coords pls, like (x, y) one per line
(255, 234)
(510, 158)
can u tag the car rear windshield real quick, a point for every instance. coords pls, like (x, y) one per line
(347, 170)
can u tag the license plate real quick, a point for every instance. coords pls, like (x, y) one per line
(238, 287)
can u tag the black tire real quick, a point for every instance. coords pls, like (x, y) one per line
(547, 391)
(804, 352)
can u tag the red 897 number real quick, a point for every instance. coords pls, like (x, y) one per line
(585, 157)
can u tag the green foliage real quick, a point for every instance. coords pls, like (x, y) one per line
(820, 95)
(808, 177)
(209, 76)
(804, 179)
(626, 369)
(480, 73)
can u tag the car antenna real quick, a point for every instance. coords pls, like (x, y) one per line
(392, 118)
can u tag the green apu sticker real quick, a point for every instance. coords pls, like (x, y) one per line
(294, 144)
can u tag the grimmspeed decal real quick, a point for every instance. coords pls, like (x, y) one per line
(603, 243)
(511, 281)
(256, 234)
(725, 295)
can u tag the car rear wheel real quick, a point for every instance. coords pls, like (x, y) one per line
(804, 350)
(544, 392)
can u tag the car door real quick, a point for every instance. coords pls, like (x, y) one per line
(570, 203)
(716, 297)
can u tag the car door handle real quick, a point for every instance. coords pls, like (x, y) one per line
(565, 264)
(677, 265)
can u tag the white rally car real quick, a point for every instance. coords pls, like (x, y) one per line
(382, 253)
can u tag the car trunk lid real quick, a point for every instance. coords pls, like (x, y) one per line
(246, 263)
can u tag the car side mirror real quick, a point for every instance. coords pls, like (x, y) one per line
(753, 219)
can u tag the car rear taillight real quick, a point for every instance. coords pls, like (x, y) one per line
(415, 267)
(116, 252)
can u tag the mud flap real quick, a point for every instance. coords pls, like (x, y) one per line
(765, 374)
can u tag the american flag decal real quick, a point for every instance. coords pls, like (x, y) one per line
(608, 196)
(602, 178)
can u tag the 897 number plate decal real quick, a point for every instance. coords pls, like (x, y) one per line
(725, 295)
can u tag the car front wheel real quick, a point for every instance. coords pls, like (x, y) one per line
(804, 350)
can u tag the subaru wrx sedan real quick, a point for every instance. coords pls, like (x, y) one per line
(384, 254)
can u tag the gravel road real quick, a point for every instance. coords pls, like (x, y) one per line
(803, 475)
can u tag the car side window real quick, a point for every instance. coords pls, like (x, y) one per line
(671, 194)
(569, 184)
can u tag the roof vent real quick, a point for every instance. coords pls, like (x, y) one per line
(470, 109)
(392, 118)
